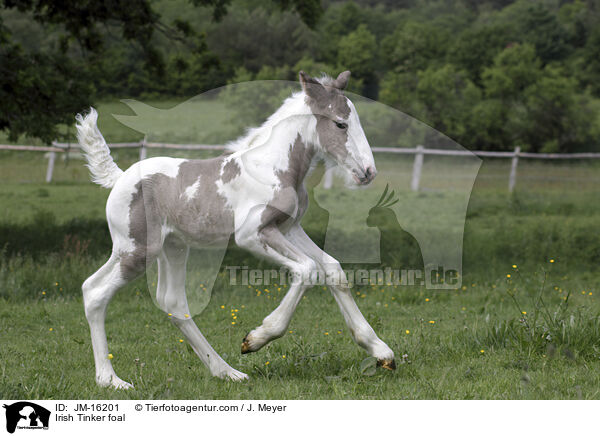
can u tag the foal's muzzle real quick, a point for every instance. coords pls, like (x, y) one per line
(366, 176)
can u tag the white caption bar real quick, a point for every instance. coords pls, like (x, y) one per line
(252, 417)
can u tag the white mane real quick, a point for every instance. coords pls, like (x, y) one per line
(292, 106)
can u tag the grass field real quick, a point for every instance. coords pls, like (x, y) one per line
(533, 335)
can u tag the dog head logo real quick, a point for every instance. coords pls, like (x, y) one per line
(26, 415)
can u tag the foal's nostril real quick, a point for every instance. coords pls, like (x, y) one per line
(371, 172)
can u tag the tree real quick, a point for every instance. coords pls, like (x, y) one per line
(231, 39)
(476, 47)
(338, 20)
(504, 112)
(543, 30)
(356, 52)
(590, 63)
(413, 47)
(441, 97)
(448, 96)
(515, 68)
(39, 91)
(399, 90)
(558, 120)
(532, 106)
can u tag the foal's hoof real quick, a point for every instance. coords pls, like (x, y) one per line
(113, 381)
(389, 364)
(246, 345)
(234, 375)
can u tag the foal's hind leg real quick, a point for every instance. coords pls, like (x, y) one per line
(171, 297)
(98, 290)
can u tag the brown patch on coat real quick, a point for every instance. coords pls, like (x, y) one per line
(134, 263)
(158, 199)
(290, 201)
(230, 171)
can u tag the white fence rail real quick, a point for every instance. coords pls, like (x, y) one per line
(419, 152)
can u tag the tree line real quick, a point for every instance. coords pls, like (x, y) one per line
(490, 74)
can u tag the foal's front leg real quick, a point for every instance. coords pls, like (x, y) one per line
(270, 243)
(361, 331)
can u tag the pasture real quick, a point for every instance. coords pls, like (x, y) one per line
(533, 335)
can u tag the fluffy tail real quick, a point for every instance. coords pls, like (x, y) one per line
(103, 168)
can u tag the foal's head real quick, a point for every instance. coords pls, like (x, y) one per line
(338, 130)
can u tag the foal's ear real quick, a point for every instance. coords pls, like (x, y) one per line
(342, 80)
(312, 87)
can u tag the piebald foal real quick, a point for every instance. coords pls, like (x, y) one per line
(161, 206)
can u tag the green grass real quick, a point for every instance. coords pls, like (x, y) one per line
(54, 236)
(441, 360)
(40, 289)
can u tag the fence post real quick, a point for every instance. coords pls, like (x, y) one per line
(417, 167)
(512, 179)
(328, 178)
(50, 170)
(143, 149)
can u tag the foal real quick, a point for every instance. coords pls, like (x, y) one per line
(161, 206)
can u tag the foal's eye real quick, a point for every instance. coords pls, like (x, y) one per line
(342, 125)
